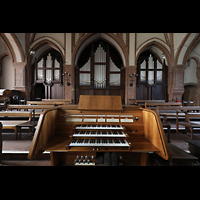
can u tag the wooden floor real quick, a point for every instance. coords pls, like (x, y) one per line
(15, 151)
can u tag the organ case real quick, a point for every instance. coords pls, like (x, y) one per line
(99, 132)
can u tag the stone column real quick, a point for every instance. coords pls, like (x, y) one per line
(177, 88)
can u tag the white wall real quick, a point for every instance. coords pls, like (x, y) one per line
(7, 77)
(190, 75)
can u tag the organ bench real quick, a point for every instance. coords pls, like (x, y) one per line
(99, 132)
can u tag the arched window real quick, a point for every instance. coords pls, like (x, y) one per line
(49, 69)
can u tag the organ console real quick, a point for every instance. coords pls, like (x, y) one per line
(99, 132)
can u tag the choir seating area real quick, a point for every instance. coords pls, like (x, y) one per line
(183, 146)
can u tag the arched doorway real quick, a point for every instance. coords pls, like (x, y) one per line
(100, 71)
(152, 77)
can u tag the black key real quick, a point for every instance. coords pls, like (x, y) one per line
(86, 140)
(110, 141)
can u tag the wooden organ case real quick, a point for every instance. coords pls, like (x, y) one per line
(100, 132)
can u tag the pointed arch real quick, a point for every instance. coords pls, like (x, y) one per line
(37, 44)
(195, 40)
(108, 37)
(162, 46)
(14, 46)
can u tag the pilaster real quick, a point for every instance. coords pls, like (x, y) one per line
(69, 91)
(130, 90)
(19, 75)
(177, 88)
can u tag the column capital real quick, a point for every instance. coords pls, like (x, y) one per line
(19, 64)
(179, 67)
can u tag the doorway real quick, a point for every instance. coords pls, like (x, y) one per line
(48, 80)
(152, 77)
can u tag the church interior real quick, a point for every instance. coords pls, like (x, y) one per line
(48, 77)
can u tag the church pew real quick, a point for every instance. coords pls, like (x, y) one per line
(194, 147)
(38, 108)
(66, 101)
(142, 102)
(190, 123)
(178, 155)
(9, 123)
(176, 112)
(45, 103)
(149, 104)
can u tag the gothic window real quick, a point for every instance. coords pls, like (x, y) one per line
(49, 69)
(151, 71)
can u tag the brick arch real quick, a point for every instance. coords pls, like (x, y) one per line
(156, 44)
(14, 47)
(190, 48)
(44, 41)
(90, 38)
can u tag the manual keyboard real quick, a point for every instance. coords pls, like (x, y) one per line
(99, 143)
(99, 134)
(99, 127)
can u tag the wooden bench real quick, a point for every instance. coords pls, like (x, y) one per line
(168, 127)
(55, 103)
(66, 101)
(38, 108)
(194, 147)
(150, 104)
(166, 111)
(178, 155)
(178, 112)
(29, 124)
(188, 103)
(142, 102)
(13, 124)
(190, 124)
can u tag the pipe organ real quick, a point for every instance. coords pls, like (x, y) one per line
(100, 71)
(99, 133)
